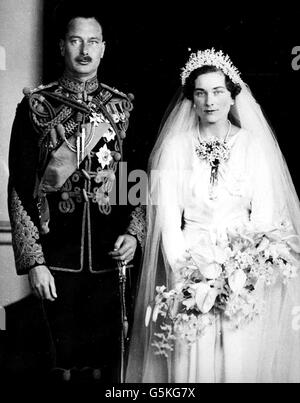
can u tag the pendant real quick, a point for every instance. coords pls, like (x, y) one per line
(213, 181)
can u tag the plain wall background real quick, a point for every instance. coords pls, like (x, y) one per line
(21, 38)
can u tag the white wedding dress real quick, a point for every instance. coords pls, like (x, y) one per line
(243, 194)
(267, 349)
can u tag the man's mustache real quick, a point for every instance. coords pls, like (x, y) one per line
(83, 59)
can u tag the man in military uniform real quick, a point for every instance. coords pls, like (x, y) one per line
(70, 234)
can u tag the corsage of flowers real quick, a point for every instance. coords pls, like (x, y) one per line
(222, 282)
(214, 152)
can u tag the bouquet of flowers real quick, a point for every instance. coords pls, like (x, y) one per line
(222, 282)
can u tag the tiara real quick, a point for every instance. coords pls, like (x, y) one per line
(210, 57)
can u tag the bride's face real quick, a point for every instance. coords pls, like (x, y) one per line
(212, 99)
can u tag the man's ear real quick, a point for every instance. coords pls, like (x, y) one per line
(62, 47)
(103, 49)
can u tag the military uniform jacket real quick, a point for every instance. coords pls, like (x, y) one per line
(65, 200)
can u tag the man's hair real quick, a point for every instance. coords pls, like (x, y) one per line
(67, 10)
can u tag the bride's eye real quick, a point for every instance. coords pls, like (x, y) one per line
(199, 94)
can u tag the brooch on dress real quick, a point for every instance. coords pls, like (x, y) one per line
(213, 151)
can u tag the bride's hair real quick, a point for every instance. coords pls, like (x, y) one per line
(189, 86)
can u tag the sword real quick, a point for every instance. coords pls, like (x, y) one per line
(122, 265)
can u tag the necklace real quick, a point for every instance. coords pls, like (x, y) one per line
(214, 151)
(201, 139)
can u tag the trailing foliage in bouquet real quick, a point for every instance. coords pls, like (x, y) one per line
(223, 280)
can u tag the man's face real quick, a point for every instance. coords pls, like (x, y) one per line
(83, 47)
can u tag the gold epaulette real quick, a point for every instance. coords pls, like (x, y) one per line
(118, 93)
(28, 91)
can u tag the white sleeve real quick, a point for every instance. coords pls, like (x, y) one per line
(170, 207)
(266, 208)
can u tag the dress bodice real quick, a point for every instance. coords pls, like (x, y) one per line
(243, 193)
(230, 204)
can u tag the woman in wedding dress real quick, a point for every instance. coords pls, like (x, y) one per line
(194, 200)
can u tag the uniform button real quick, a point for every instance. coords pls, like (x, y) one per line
(117, 156)
(65, 196)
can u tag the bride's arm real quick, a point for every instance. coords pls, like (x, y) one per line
(170, 208)
(267, 208)
(172, 237)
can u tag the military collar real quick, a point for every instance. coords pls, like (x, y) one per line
(77, 86)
